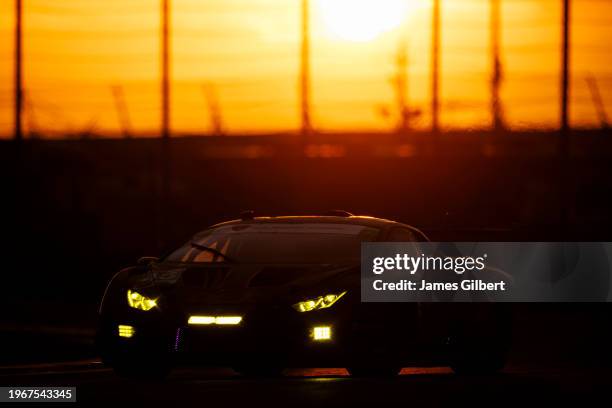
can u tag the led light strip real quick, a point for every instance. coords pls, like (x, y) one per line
(125, 330)
(221, 320)
(321, 333)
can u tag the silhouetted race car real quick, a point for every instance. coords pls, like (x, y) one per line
(261, 294)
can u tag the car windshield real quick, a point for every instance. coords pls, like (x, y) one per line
(277, 243)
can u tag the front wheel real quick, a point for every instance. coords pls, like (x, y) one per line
(142, 360)
(480, 342)
(140, 367)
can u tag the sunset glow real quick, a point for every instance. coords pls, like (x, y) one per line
(363, 20)
(94, 66)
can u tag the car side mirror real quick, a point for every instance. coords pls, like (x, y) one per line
(146, 260)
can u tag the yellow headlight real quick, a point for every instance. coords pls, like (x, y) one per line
(322, 302)
(140, 302)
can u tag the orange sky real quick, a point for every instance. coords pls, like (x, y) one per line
(77, 50)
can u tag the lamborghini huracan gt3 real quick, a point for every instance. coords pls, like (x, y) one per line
(261, 294)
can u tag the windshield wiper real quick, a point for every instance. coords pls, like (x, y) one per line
(212, 251)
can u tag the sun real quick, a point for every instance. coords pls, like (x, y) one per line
(362, 20)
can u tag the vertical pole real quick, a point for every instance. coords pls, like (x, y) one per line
(18, 130)
(565, 81)
(435, 67)
(564, 159)
(165, 154)
(305, 70)
(496, 77)
(165, 69)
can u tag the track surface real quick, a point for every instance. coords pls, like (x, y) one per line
(516, 386)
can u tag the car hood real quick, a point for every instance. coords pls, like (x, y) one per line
(255, 283)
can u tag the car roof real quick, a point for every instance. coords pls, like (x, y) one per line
(312, 219)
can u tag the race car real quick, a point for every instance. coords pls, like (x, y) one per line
(262, 294)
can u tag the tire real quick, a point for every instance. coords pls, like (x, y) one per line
(139, 367)
(373, 371)
(138, 361)
(480, 344)
(478, 355)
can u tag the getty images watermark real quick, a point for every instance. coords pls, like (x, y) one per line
(489, 271)
(413, 264)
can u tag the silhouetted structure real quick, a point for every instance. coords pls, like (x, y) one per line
(400, 85)
(18, 132)
(214, 109)
(400, 81)
(497, 72)
(122, 110)
(496, 79)
(305, 70)
(598, 102)
(165, 69)
(435, 67)
(565, 75)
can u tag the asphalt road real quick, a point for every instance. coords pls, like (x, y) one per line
(218, 387)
